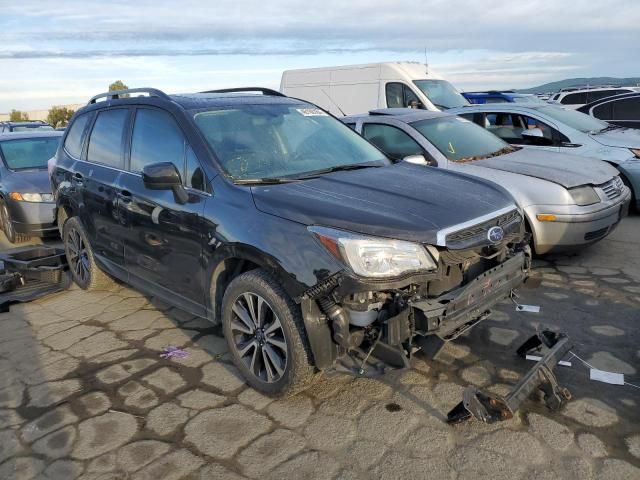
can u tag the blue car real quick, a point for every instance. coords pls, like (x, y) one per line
(494, 96)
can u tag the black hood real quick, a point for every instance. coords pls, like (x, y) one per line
(402, 201)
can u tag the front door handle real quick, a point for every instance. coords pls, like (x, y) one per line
(78, 178)
(125, 196)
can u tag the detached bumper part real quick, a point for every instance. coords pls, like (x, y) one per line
(491, 408)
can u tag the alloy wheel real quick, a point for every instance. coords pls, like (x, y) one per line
(78, 256)
(6, 222)
(258, 337)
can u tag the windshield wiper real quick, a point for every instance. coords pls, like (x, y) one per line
(608, 128)
(263, 181)
(337, 168)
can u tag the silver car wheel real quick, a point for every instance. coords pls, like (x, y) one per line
(258, 337)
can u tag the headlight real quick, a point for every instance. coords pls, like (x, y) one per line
(636, 152)
(31, 197)
(373, 256)
(584, 196)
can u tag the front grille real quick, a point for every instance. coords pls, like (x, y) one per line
(478, 233)
(613, 188)
(596, 234)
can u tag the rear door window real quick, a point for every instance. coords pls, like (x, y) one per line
(106, 139)
(626, 109)
(156, 138)
(391, 140)
(73, 142)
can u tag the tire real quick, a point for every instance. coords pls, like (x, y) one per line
(633, 208)
(82, 264)
(7, 226)
(278, 349)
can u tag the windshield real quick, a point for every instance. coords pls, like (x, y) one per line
(459, 139)
(273, 141)
(573, 119)
(24, 128)
(528, 99)
(28, 153)
(441, 93)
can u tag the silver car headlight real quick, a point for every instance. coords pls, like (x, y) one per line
(374, 256)
(31, 197)
(584, 196)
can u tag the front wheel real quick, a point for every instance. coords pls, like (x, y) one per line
(7, 226)
(266, 336)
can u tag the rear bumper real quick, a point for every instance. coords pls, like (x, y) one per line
(30, 218)
(451, 314)
(572, 230)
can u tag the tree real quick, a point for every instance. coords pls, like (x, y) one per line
(119, 85)
(18, 116)
(59, 116)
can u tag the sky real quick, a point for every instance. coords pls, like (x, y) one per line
(66, 51)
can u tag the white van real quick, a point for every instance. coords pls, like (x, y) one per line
(353, 89)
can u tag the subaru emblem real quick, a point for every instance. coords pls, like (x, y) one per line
(495, 234)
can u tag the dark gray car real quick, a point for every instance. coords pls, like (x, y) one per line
(27, 207)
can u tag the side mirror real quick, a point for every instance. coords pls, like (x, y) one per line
(533, 133)
(418, 160)
(164, 176)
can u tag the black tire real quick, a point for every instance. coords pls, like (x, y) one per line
(633, 208)
(82, 264)
(7, 226)
(297, 370)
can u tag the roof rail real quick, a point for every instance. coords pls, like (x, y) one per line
(115, 94)
(264, 91)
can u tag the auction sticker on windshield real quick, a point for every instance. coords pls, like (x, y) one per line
(312, 112)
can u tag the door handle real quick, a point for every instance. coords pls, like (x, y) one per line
(124, 196)
(78, 178)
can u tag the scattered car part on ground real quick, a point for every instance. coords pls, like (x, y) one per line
(32, 272)
(557, 129)
(27, 207)
(490, 408)
(622, 110)
(568, 201)
(266, 214)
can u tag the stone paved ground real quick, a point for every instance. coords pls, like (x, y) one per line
(84, 394)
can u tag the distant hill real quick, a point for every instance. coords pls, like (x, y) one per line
(574, 82)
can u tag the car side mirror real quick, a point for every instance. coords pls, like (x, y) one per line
(164, 176)
(418, 160)
(533, 133)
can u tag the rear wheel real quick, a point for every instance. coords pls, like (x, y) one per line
(82, 264)
(266, 335)
(7, 226)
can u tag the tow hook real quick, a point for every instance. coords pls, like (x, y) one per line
(491, 408)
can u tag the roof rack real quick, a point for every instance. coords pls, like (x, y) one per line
(115, 94)
(264, 91)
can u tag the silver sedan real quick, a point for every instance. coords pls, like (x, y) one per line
(568, 201)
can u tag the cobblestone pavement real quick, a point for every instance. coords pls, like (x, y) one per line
(84, 393)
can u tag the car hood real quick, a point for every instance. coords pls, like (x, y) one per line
(403, 201)
(621, 137)
(566, 170)
(26, 181)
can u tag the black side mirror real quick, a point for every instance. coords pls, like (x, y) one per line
(164, 176)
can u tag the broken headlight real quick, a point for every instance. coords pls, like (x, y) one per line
(373, 256)
(584, 196)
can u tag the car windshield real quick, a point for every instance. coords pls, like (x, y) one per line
(441, 93)
(30, 128)
(460, 140)
(28, 153)
(267, 141)
(573, 119)
(528, 99)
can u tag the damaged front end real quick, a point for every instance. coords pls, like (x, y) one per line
(368, 325)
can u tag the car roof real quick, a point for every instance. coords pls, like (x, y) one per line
(407, 115)
(34, 134)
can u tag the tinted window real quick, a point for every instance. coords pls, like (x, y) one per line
(195, 175)
(459, 139)
(29, 153)
(395, 97)
(604, 111)
(626, 109)
(574, 99)
(105, 142)
(73, 142)
(156, 138)
(391, 140)
(263, 141)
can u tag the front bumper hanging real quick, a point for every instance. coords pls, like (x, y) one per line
(491, 408)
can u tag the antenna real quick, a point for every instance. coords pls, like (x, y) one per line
(331, 100)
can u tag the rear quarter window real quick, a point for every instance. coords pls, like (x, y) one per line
(74, 140)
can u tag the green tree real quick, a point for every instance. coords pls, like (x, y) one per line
(119, 85)
(59, 116)
(18, 116)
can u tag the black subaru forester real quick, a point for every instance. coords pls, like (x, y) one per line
(265, 213)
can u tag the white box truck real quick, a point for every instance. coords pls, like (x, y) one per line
(353, 89)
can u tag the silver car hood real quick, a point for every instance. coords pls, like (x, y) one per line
(566, 170)
(621, 137)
